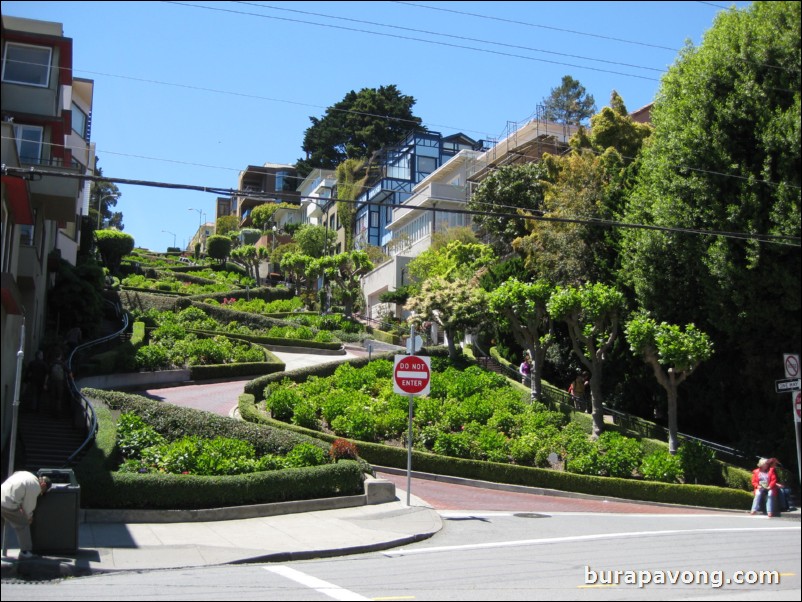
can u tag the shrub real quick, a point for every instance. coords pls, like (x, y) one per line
(151, 358)
(281, 402)
(134, 436)
(661, 466)
(699, 464)
(342, 449)
(305, 454)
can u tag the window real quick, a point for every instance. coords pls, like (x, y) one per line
(29, 65)
(426, 165)
(29, 143)
(78, 121)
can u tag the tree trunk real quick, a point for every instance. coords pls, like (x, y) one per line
(596, 399)
(452, 348)
(673, 427)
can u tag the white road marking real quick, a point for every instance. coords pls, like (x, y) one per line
(324, 587)
(599, 536)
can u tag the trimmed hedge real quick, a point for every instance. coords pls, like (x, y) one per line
(652, 491)
(103, 488)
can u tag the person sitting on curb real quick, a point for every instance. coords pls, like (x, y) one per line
(764, 482)
(20, 493)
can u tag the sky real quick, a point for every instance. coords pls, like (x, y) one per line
(194, 92)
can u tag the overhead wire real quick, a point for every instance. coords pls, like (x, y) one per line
(32, 172)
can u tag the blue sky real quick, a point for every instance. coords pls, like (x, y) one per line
(192, 93)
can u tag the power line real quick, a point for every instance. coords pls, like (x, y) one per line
(400, 37)
(793, 241)
(445, 35)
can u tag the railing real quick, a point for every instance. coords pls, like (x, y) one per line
(88, 414)
(559, 399)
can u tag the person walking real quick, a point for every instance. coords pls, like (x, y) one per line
(20, 494)
(35, 378)
(525, 369)
(57, 385)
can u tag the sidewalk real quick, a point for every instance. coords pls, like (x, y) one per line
(110, 541)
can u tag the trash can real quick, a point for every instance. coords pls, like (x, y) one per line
(56, 518)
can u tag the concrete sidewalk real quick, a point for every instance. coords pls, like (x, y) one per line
(111, 541)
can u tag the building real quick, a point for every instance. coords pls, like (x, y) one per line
(409, 225)
(268, 183)
(46, 119)
(400, 168)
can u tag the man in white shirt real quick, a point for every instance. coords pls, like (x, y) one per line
(20, 492)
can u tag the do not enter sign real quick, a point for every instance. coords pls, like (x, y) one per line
(412, 375)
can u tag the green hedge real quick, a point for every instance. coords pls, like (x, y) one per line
(257, 386)
(103, 488)
(385, 455)
(275, 341)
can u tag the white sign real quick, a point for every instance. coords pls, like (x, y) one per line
(412, 374)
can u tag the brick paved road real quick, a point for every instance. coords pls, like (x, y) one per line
(449, 496)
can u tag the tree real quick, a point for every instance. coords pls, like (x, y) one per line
(262, 216)
(569, 103)
(454, 306)
(725, 156)
(592, 313)
(113, 246)
(218, 247)
(226, 224)
(523, 306)
(357, 126)
(252, 257)
(300, 269)
(314, 241)
(673, 354)
(509, 190)
(105, 195)
(345, 270)
(350, 180)
(455, 260)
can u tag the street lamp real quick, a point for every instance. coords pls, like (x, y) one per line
(173, 233)
(200, 223)
(100, 200)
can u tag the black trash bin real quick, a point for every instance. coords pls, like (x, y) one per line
(56, 518)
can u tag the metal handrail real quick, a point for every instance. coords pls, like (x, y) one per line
(88, 411)
(563, 398)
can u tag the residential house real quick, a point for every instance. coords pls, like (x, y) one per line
(46, 118)
(426, 209)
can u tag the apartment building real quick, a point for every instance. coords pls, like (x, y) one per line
(46, 116)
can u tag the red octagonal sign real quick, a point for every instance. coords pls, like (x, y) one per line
(412, 375)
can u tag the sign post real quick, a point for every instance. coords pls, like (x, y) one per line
(792, 384)
(411, 376)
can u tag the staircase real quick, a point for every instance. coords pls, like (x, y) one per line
(46, 441)
(488, 363)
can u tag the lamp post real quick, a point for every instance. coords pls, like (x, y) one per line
(100, 200)
(200, 221)
(168, 232)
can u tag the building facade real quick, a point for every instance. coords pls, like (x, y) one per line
(46, 122)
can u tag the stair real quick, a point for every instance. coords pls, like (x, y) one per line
(488, 363)
(46, 441)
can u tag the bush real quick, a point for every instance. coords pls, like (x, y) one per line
(699, 464)
(661, 466)
(342, 449)
(305, 455)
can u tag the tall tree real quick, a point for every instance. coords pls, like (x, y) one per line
(725, 156)
(345, 270)
(593, 313)
(673, 354)
(357, 126)
(105, 195)
(512, 191)
(569, 103)
(454, 306)
(523, 306)
(351, 177)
